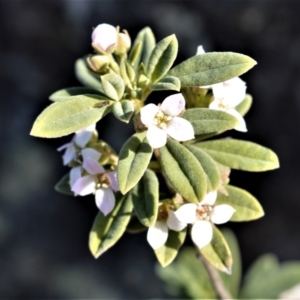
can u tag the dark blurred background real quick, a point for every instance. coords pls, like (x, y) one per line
(43, 235)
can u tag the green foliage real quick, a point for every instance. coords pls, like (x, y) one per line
(65, 117)
(145, 197)
(73, 91)
(135, 226)
(217, 253)
(183, 171)
(241, 155)
(245, 105)
(113, 86)
(211, 68)
(107, 230)
(209, 166)
(63, 186)
(168, 252)
(205, 120)
(127, 72)
(162, 58)
(123, 110)
(166, 83)
(134, 158)
(247, 208)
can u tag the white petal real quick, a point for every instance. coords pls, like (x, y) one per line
(157, 235)
(234, 94)
(92, 166)
(186, 213)
(104, 36)
(75, 174)
(156, 137)
(105, 200)
(202, 233)
(69, 154)
(113, 180)
(221, 213)
(292, 293)
(84, 185)
(180, 129)
(218, 90)
(200, 50)
(82, 136)
(90, 153)
(242, 124)
(64, 146)
(173, 223)
(173, 105)
(148, 114)
(216, 104)
(210, 198)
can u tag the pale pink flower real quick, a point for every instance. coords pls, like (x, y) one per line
(105, 38)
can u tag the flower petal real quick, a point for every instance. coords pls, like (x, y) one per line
(180, 129)
(75, 174)
(292, 293)
(105, 200)
(200, 50)
(221, 213)
(69, 154)
(148, 114)
(173, 223)
(92, 166)
(156, 137)
(82, 136)
(84, 185)
(113, 180)
(90, 153)
(186, 213)
(173, 105)
(64, 146)
(218, 90)
(242, 124)
(104, 36)
(157, 235)
(202, 233)
(209, 199)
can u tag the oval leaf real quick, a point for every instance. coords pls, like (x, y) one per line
(211, 68)
(113, 86)
(63, 186)
(183, 171)
(145, 197)
(217, 253)
(166, 83)
(245, 105)
(107, 230)
(205, 120)
(168, 252)
(134, 158)
(162, 58)
(247, 208)
(241, 155)
(65, 117)
(209, 166)
(73, 91)
(123, 110)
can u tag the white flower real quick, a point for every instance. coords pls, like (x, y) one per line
(158, 234)
(293, 293)
(162, 121)
(80, 139)
(202, 215)
(227, 95)
(105, 38)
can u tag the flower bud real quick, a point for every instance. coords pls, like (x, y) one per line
(124, 43)
(98, 62)
(104, 38)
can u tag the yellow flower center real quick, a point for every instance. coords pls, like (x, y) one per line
(161, 120)
(203, 212)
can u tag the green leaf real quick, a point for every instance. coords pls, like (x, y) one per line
(162, 58)
(209, 166)
(267, 279)
(107, 230)
(127, 72)
(142, 48)
(245, 105)
(145, 198)
(241, 155)
(247, 208)
(211, 68)
(65, 117)
(134, 158)
(217, 253)
(113, 86)
(86, 77)
(123, 110)
(168, 252)
(166, 83)
(73, 91)
(205, 120)
(135, 226)
(63, 186)
(183, 171)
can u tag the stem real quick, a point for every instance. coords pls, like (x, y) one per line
(216, 280)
